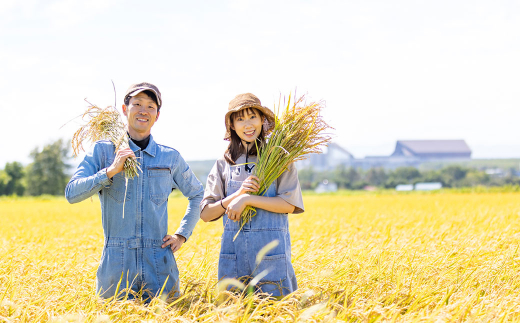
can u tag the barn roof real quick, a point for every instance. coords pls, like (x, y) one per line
(335, 146)
(435, 146)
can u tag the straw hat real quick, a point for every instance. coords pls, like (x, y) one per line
(248, 100)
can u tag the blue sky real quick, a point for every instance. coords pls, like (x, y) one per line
(388, 70)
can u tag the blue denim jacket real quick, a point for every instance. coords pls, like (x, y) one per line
(133, 244)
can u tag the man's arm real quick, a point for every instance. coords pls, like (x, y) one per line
(90, 178)
(191, 188)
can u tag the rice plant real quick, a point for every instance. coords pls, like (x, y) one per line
(105, 124)
(299, 131)
(450, 256)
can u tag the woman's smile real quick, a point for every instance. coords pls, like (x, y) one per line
(250, 133)
(248, 125)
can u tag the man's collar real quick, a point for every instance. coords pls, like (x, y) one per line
(150, 149)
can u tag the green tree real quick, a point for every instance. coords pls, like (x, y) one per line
(403, 175)
(453, 175)
(376, 176)
(15, 174)
(431, 176)
(3, 181)
(306, 178)
(47, 173)
(348, 178)
(473, 177)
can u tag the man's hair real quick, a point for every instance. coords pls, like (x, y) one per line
(150, 94)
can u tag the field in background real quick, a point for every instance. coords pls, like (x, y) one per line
(358, 257)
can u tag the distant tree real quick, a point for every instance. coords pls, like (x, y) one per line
(347, 177)
(455, 172)
(403, 175)
(449, 176)
(452, 175)
(15, 174)
(512, 180)
(306, 178)
(3, 182)
(406, 173)
(47, 173)
(473, 177)
(431, 176)
(376, 176)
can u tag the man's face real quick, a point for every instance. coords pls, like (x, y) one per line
(142, 114)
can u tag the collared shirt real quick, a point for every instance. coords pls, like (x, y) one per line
(141, 143)
(145, 202)
(287, 185)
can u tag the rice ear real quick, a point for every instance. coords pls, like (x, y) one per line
(299, 131)
(105, 124)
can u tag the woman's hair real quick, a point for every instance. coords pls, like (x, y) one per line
(235, 147)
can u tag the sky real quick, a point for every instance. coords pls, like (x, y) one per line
(387, 70)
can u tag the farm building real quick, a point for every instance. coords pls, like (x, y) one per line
(432, 149)
(331, 157)
(407, 153)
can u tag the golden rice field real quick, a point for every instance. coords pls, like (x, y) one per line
(358, 258)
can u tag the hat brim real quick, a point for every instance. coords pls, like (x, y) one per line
(271, 119)
(139, 90)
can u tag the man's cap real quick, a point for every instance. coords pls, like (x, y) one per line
(137, 88)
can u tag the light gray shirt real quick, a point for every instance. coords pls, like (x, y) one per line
(287, 185)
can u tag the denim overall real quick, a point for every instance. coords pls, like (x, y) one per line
(238, 258)
(132, 252)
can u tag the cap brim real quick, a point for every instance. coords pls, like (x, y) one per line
(139, 90)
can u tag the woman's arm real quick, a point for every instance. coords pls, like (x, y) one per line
(215, 210)
(272, 204)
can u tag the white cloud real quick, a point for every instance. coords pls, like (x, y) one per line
(66, 13)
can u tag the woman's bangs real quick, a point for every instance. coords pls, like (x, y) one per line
(249, 111)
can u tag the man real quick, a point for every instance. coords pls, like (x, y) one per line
(137, 247)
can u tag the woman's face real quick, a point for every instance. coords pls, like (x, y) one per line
(247, 123)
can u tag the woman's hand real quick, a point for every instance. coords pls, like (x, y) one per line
(250, 185)
(175, 242)
(236, 207)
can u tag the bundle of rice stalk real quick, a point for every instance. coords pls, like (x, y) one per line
(300, 131)
(105, 124)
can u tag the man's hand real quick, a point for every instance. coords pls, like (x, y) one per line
(119, 162)
(175, 242)
(235, 207)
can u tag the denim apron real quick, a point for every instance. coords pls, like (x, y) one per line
(238, 258)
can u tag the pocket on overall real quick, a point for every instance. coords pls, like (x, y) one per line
(165, 266)
(275, 267)
(117, 189)
(110, 270)
(159, 181)
(227, 266)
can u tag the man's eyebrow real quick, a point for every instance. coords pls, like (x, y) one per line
(142, 99)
